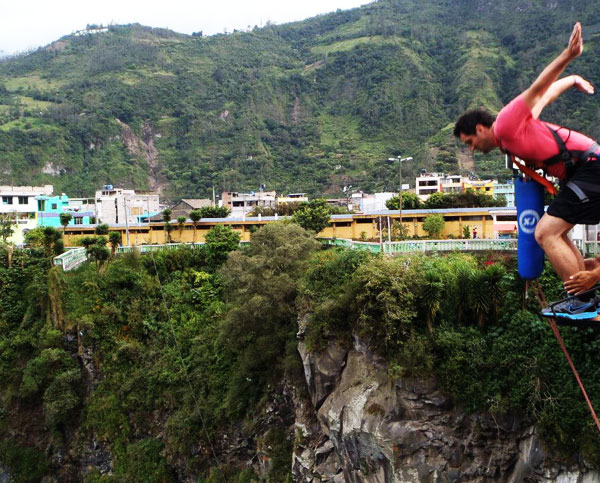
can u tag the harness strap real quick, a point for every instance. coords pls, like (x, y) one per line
(542, 301)
(578, 191)
(533, 175)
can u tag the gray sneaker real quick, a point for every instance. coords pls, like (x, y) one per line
(573, 309)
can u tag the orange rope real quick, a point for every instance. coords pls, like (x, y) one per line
(542, 300)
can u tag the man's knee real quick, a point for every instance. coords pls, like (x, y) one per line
(541, 235)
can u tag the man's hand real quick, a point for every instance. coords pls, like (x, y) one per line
(582, 85)
(575, 47)
(581, 282)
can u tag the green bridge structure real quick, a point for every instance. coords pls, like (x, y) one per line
(74, 257)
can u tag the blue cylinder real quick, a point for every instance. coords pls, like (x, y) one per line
(530, 208)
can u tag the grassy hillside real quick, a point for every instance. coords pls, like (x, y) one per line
(307, 106)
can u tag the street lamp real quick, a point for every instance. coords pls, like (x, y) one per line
(400, 160)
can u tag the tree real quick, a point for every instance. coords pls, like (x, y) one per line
(102, 229)
(214, 212)
(312, 216)
(434, 224)
(181, 224)
(114, 238)
(220, 240)
(65, 219)
(195, 216)
(410, 201)
(166, 214)
(6, 227)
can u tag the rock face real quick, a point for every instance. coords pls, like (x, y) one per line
(370, 428)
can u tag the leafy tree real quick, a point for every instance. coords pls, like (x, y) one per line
(65, 219)
(434, 224)
(166, 214)
(410, 201)
(181, 224)
(214, 212)
(102, 229)
(431, 296)
(6, 227)
(313, 216)
(115, 240)
(195, 216)
(46, 237)
(220, 240)
(261, 284)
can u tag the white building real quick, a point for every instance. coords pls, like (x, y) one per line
(428, 183)
(241, 204)
(21, 199)
(375, 202)
(293, 198)
(119, 206)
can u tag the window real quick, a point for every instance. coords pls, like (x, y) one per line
(41, 205)
(79, 220)
(54, 206)
(23, 200)
(7, 200)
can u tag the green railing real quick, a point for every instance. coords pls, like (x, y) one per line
(71, 259)
(411, 246)
(155, 248)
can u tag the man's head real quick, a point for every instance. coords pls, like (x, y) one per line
(474, 128)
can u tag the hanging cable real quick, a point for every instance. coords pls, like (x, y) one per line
(542, 300)
(185, 371)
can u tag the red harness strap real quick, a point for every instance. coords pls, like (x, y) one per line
(542, 300)
(533, 175)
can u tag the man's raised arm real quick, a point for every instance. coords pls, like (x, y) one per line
(533, 95)
(560, 86)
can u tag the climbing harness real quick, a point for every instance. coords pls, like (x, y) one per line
(552, 321)
(569, 158)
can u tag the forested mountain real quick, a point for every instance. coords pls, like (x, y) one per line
(308, 106)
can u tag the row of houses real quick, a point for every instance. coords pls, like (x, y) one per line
(429, 183)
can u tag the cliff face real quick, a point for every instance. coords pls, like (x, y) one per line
(368, 428)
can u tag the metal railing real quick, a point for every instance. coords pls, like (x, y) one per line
(155, 248)
(71, 259)
(587, 248)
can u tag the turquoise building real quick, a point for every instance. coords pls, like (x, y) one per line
(506, 189)
(49, 209)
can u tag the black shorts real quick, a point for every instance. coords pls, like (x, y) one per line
(568, 206)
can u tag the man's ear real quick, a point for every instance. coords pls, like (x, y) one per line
(480, 129)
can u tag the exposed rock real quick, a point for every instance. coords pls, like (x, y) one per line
(375, 429)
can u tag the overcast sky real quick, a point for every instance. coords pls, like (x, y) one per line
(27, 24)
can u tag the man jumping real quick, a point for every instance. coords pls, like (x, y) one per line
(568, 155)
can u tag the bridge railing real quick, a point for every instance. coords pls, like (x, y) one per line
(411, 246)
(71, 259)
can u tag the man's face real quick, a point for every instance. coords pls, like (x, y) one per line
(482, 140)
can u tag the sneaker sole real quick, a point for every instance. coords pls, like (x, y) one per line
(582, 316)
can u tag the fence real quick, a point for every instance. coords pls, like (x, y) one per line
(588, 248)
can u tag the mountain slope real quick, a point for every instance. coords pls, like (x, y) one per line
(308, 106)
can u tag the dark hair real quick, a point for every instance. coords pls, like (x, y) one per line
(468, 121)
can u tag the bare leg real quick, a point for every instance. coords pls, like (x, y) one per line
(551, 234)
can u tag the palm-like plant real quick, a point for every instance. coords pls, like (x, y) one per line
(114, 238)
(181, 224)
(195, 216)
(431, 296)
(167, 218)
(65, 219)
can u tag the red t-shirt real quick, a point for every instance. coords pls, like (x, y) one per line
(517, 132)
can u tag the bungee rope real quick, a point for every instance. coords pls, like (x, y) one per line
(552, 321)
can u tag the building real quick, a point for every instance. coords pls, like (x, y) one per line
(452, 184)
(22, 199)
(484, 186)
(240, 204)
(364, 202)
(119, 206)
(51, 207)
(427, 184)
(20, 205)
(507, 190)
(293, 198)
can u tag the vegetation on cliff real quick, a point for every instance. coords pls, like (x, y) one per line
(146, 364)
